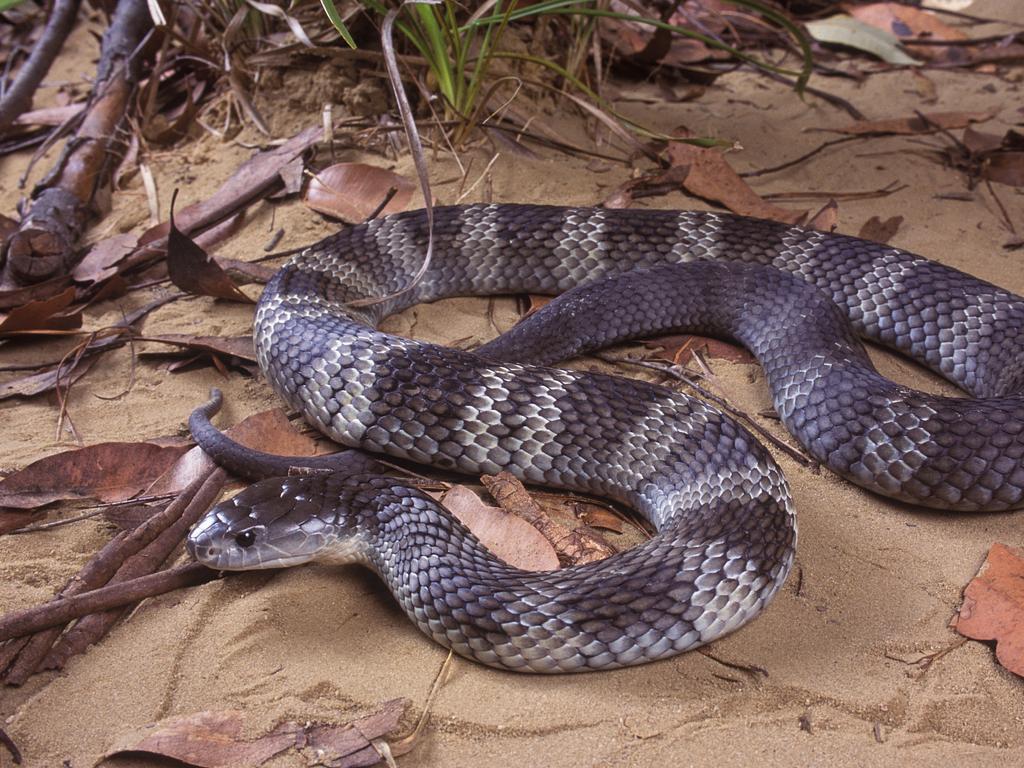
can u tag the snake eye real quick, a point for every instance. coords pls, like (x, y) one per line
(245, 539)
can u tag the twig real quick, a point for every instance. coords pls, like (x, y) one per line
(8, 742)
(671, 370)
(831, 98)
(798, 160)
(103, 566)
(92, 512)
(59, 612)
(18, 98)
(91, 629)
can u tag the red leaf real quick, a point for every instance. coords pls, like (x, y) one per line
(993, 607)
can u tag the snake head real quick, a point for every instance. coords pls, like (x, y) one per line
(275, 523)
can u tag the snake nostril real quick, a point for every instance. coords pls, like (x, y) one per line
(245, 539)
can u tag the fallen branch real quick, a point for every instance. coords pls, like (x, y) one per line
(106, 598)
(18, 98)
(62, 203)
(91, 629)
(26, 656)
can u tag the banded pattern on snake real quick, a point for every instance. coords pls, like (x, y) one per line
(726, 531)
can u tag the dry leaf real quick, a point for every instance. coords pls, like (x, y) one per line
(106, 472)
(46, 380)
(268, 431)
(510, 538)
(597, 516)
(251, 181)
(15, 296)
(908, 23)
(905, 126)
(194, 271)
(216, 740)
(993, 607)
(825, 220)
(352, 192)
(45, 314)
(711, 177)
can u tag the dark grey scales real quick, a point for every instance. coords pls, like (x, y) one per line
(726, 529)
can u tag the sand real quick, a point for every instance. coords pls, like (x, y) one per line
(840, 649)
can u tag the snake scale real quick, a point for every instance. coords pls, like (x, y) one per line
(726, 530)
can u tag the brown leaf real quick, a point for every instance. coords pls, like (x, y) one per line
(509, 537)
(101, 261)
(106, 472)
(215, 740)
(678, 349)
(15, 296)
(46, 380)
(905, 126)
(46, 314)
(711, 177)
(268, 431)
(597, 516)
(349, 745)
(825, 220)
(251, 181)
(352, 192)
(908, 23)
(253, 271)
(880, 231)
(1005, 168)
(192, 270)
(993, 607)
(233, 346)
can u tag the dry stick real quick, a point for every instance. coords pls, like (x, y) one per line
(42, 247)
(97, 572)
(59, 612)
(91, 629)
(671, 371)
(18, 98)
(573, 547)
(802, 158)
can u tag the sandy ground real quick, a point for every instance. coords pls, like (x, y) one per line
(875, 586)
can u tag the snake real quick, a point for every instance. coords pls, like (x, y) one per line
(723, 517)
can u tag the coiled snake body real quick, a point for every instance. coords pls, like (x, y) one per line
(726, 531)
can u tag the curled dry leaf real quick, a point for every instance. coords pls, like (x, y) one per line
(12, 295)
(253, 179)
(106, 472)
(217, 740)
(223, 352)
(993, 607)
(509, 537)
(352, 192)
